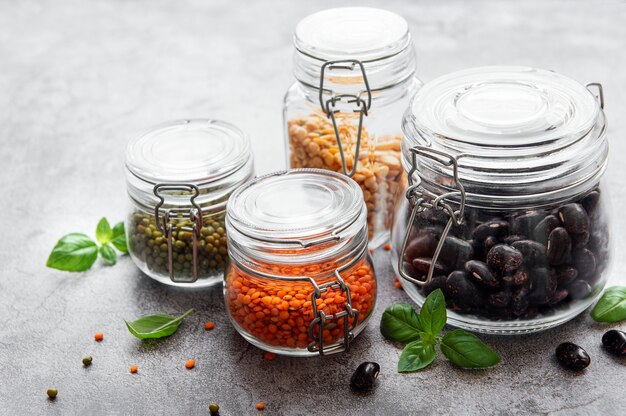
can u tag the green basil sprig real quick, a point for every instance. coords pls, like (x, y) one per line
(400, 323)
(77, 252)
(612, 305)
(156, 326)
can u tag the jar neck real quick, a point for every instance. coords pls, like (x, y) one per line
(298, 258)
(352, 76)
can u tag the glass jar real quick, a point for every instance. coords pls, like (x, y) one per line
(355, 72)
(179, 176)
(505, 212)
(301, 281)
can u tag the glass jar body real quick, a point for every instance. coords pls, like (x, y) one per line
(510, 271)
(311, 143)
(148, 247)
(277, 313)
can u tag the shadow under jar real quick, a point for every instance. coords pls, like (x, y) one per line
(301, 281)
(355, 72)
(505, 211)
(179, 177)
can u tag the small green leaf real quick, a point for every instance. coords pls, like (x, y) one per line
(612, 305)
(108, 254)
(156, 326)
(433, 313)
(73, 253)
(416, 356)
(467, 351)
(400, 323)
(104, 234)
(119, 238)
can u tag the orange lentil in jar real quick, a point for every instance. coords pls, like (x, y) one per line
(279, 312)
(379, 173)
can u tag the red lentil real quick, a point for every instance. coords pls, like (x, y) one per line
(99, 336)
(209, 326)
(269, 356)
(260, 406)
(190, 364)
(133, 369)
(284, 320)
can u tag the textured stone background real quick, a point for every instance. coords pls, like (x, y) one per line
(78, 78)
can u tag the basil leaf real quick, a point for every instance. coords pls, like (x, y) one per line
(108, 254)
(416, 356)
(156, 326)
(433, 313)
(73, 253)
(467, 351)
(119, 238)
(612, 305)
(400, 323)
(104, 234)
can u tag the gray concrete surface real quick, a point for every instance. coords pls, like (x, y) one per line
(78, 78)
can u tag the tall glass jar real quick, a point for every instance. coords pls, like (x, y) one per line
(300, 281)
(355, 72)
(505, 212)
(179, 176)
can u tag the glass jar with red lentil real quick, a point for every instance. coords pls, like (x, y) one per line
(355, 73)
(301, 281)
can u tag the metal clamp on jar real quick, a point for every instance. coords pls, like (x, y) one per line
(301, 281)
(179, 178)
(355, 72)
(505, 211)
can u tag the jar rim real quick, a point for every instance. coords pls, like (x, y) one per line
(517, 133)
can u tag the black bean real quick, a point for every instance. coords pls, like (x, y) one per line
(574, 218)
(572, 356)
(504, 259)
(518, 278)
(585, 262)
(455, 252)
(364, 376)
(437, 282)
(544, 228)
(489, 243)
(463, 293)
(479, 272)
(479, 249)
(493, 228)
(565, 275)
(500, 299)
(579, 289)
(422, 265)
(543, 286)
(535, 254)
(410, 270)
(423, 245)
(559, 296)
(525, 224)
(580, 240)
(615, 342)
(519, 301)
(510, 239)
(590, 202)
(559, 247)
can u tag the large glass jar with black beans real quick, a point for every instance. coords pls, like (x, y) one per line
(301, 281)
(355, 72)
(505, 211)
(179, 177)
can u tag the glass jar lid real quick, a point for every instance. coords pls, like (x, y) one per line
(377, 38)
(517, 133)
(304, 205)
(197, 151)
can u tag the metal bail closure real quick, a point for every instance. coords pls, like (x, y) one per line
(321, 320)
(329, 106)
(165, 224)
(600, 95)
(421, 199)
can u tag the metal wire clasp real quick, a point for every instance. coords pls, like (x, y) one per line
(163, 222)
(420, 199)
(321, 319)
(329, 105)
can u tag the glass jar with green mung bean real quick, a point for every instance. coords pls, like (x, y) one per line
(179, 177)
